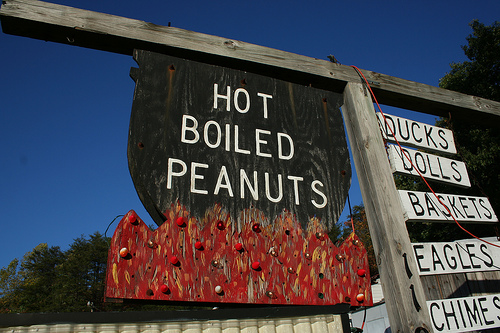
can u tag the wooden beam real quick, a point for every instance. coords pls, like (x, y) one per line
(403, 291)
(62, 24)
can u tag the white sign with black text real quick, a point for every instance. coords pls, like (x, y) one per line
(425, 207)
(456, 257)
(415, 134)
(465, 314)
(430, 166)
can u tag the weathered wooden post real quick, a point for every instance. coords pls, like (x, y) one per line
(403, 293)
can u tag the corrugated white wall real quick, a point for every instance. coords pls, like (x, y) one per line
(305, 324)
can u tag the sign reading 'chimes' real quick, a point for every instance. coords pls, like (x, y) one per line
(244, 175)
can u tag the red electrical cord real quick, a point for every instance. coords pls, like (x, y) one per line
(406, 155)
(350, 213)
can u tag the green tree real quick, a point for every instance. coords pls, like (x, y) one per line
(38, 280)
(82, 273)
(478, 145)
(9, 280)
(480, 75)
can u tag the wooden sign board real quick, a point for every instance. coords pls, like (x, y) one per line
(456, 257)
(203, 134)
(424, 206)
(465, 314)
(415, 134)
(430, 166)
(244, 174)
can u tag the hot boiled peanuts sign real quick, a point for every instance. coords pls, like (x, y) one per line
(244, 175)
(203, 134)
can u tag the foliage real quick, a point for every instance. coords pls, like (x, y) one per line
(480, 76)
(478, 145)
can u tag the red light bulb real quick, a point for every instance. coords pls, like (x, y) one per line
(361, 272)
(220, 225)
(174, 260)
(180, 221)
(123, 252)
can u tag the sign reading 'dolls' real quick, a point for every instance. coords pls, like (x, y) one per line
(430, 166)
(456, 257)
(415, 134)
(425, 207)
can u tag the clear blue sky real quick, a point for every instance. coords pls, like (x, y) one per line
(64, 110)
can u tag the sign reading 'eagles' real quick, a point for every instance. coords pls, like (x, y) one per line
(204, 134)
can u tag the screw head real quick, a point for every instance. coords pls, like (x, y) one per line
(198, 245)
(256, 265)
(164, 289)
(238, 246)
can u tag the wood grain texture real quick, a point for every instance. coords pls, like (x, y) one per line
(46, 21)
(384, 214)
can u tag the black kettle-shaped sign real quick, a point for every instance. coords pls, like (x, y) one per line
(203, 135)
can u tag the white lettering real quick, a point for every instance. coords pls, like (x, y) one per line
(321, 194)
(264, 100)
(171, 173)
(194, 176)
(259, 141)
(227, 97)
(236, 101)
(191, 129)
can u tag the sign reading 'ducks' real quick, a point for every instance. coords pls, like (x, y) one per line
(415, 134)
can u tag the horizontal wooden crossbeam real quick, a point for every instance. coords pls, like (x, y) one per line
(62, 24)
